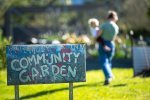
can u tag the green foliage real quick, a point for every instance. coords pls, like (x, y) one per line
(3, 43)
(123, 87)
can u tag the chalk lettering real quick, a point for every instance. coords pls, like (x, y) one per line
(63, 55)
(63, 71)
(69, 54)
(24, 63)
(14, 65)
(32, 59)
(73, 72)
(34, 73)
(50, 61)
(24, 78)
(45, 63)
(44, 70)
(76, 56)
(40, 58)
(57, 58)
(55, 69)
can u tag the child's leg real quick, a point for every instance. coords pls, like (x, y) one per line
(100, 40)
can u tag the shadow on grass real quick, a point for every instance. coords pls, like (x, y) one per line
(119, 85)
(61, 89)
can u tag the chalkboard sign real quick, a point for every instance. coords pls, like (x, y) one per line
(43, 64)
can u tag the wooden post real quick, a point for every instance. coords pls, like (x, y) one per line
(16, 92)
(70, 91)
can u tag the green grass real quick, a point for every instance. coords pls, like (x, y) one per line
(124, 87)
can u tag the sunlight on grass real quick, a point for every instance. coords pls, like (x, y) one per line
(125, 86)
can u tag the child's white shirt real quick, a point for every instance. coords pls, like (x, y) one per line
(94, 31)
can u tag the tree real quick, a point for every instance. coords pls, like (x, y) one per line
(6, 4)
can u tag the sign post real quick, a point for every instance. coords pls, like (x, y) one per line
(70, 91)
(46, 64)
(16, 92)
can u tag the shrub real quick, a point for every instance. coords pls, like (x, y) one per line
(3, 43)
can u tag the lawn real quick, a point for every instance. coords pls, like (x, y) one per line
(124, 87)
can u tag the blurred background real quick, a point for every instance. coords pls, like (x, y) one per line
(66, 21)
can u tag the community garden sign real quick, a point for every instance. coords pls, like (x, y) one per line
(44, 64)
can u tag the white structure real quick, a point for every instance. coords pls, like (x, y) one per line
(141, 59)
